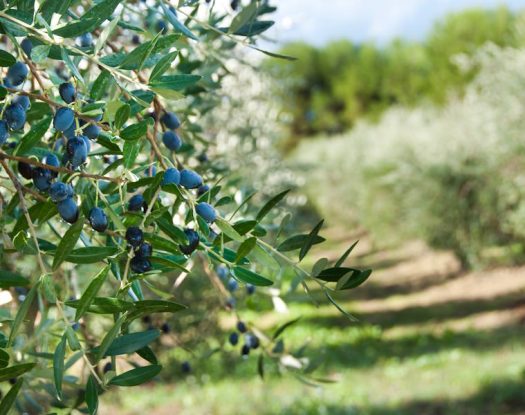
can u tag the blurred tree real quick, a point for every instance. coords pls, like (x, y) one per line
(329, 88)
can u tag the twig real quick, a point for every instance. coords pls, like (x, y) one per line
(37, 163)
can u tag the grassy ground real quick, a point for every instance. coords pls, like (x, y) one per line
(431, 340)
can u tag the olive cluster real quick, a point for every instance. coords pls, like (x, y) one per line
(251, 341)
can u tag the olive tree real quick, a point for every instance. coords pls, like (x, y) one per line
(110, 197)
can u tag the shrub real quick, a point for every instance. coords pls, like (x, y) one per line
(453, 176)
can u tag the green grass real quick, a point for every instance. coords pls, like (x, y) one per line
(379, 368)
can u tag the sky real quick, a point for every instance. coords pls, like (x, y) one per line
(319, 21)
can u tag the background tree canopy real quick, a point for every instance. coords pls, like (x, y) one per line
(329, 88)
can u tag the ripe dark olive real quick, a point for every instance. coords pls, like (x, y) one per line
(222, 272)
(42, 178)
(136, 203)
(253, 341)
(140, 265)
(189, 179)
(71, 131)
(135, 39)
(27, 46)
(107, 367)
(144, 251)
(25, 170)
(241, 327)
(67, 92)
(92, 131)
(206, 211)
(234, 338)
(193, 242)
(161, 26)
(23, 101)
(63, 119)
(172, 140)
(186, 367)
(15, 116)
(17, 73)
(165, 328)
(52, 160)
(171, 176)
(98, 219)
(134, 236)
(68, 210)
(250, 289)
(170, 120)
(203, 189)
(245, 350)
(4, 132)
(202, 157)
(60, 191)
(77, 151)
(85, 40)
(232, 284)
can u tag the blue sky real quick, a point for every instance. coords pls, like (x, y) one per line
(319, 21)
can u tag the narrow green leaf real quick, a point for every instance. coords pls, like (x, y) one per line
(245, 248)
(224, 226)
(101, 41)
(130, 343)
(334, 274)
(260, 365)
(137, 57)
(104, 305)
(177, 25)
(30, 140)
(341, 260)
(58, 365)
(91, 254)
(135, 131)
(136, 376)
(296, 242)
(69, 63)
(109, 337)
(101, 85)
(102, 10)
(252, 28)
(67, 243)
(250, 277)
(310, 240)
(11, 279)
(174, 82)
(243, 17)
(122, 115)
(270, 205)
(6, 59)
(9, 399)
(72, 339)
(91, 291)
(154, 306)
(14, 371)
(283, 327)
(162, 66)
(48, 289)
(353, 279)
(131, 150)
(4, 358)
(92, 395)
(76, 28)
(147, 354)
(40, 53)
(341, 309)
(22, 312)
